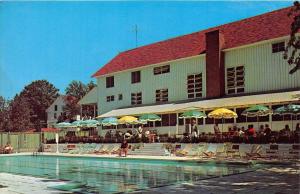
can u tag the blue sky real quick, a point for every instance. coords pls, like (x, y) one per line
(65, 41)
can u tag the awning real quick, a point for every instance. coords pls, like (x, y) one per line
(230, 102)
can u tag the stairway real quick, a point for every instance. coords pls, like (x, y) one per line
(149, 149)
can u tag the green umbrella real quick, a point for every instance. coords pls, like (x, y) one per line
(63, 125)
(257, 111)
(149, 117)
(291, 109)
(78, 123)
(90, 123)
(192, 114)
(109, 121)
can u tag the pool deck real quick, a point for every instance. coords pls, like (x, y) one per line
(276, 179)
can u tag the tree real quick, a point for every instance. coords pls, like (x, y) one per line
(91, 85)
(20, 114)
(4, 109)
(292, 54)
(74, 92)
(39, 95)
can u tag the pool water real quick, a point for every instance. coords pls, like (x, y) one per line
(114, 175)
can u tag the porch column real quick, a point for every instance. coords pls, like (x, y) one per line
(270, 116)
(234, 119)
(94, 110)
(177, 124)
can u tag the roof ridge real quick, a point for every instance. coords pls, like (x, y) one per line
(208, 29)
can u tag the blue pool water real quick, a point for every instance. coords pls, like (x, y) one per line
(109, 175)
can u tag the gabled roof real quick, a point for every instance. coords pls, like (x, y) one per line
(60, 98)
(247, 31)
(89, 98)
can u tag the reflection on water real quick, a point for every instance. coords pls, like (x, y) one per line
(115, 175)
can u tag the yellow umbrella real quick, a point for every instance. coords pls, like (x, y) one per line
(222, 113)
(128, 120)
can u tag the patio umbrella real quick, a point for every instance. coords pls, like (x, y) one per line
(149, 118)
(222, 113)
(128, 120)
(192, 114)
(291, 109)
(109, 121)
(64, 125)
(91, 123)
(257, 111)
(78, 123)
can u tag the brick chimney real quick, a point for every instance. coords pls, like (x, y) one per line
(215, 70)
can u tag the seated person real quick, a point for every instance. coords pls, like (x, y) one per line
(124, 148)
(8, 149)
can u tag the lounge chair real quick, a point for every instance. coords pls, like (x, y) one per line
(105, 149)
(256, 152)
(96, 149)
(196, 151)
(273, 151)
(211, 150)
(294, 152)
(184, 151)
(115, 149)
(234, 150)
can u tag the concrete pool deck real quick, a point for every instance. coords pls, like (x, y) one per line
(275, 179)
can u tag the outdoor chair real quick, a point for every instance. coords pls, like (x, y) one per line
(273, 151)
(294, 152)
(97, 149)
(234, 151)
(256, 152)
(115, 149)
(211, 151)
(105, 149)
(184, 151)
(196, 151)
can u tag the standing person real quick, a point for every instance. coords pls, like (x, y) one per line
(251, 133)
(267, 133)
(123, 148)
(140, 132)
(194, 132)
(217, 132)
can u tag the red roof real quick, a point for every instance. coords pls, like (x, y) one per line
(262, 27)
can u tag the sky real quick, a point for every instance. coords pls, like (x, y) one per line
(65, 41)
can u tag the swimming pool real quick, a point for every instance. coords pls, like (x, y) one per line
(114, 175)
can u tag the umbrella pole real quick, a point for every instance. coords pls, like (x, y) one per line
(222, 128)
(257, 117)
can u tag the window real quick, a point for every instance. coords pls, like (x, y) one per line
(278, 47)
(194, 86)
(135, 77)
(235, 80)
(161, 95)
(110, 82)
(120, 97)
(161, 69)
(55, 115)
(136, 98)
(55, 107)
(110, 98)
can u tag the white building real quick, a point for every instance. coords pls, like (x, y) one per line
(55, 110)
(234, 65)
